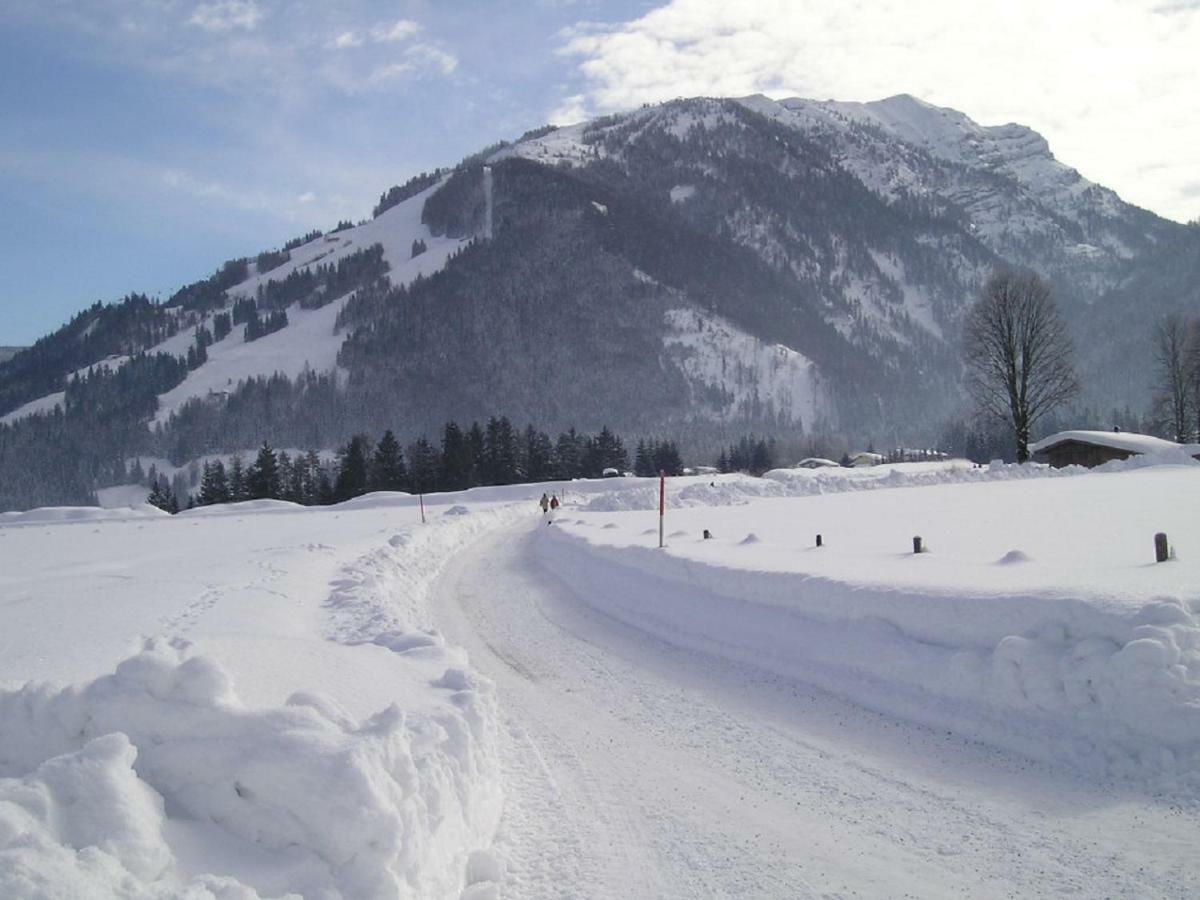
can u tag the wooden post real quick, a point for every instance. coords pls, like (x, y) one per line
(1162, 550)
(662, 504)
(421, 500)
(917, 548)
(820, 543)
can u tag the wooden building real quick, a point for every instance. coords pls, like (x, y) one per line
(1093, 448)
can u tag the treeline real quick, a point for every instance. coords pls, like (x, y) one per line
(750, 454)
(399, 193)
(497, 453)
(314, 286)
(101, 331)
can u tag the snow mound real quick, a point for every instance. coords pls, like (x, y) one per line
(1012, 557)
(58, 514)
(376, 807)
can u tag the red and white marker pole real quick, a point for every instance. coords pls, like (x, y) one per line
(662, 504)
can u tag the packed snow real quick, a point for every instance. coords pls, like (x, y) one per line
(263, 700)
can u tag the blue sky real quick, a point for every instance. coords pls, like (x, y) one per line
(143, 142)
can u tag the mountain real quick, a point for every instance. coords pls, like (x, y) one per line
(7, 353)
(699, 268)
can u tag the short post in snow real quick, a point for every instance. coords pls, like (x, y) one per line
(1162, 550)
(917, 546)
(421, 500)
(662, 504)
(820, 542)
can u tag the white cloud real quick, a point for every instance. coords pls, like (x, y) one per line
(1111, 83)
(390, 72)
(418, 58)
(346, 40)
(394, 33)
(226, 15)
(427, 56)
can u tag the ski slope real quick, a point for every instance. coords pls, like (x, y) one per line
(311, 340)
(259, 700)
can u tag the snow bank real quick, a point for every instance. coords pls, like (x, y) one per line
(370, 802)
(384, 597)
(1002, 651)
(158, 779)
(730, 490)
(84, 825)
(59, 514)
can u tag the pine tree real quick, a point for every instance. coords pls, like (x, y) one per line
(500, 452)
(760, 457)
(538, 455)
(605, 451)
(666, 458)
(162, 498)
(568, 452)
(214, 487)
(325, 495)
(262, 478)
(311, 475)
(352, 469)
(387, 470)
(458, 461)
(237, 481)
(643, 464)
(475, 441)
(287, 474)
(424, 464)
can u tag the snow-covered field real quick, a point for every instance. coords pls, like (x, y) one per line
(343, 702)
(256, 700)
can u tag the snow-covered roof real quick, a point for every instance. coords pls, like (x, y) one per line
(815, 462)
(1117, 440)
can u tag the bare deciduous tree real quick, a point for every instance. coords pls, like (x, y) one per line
(1173, 382)
(1018, 353)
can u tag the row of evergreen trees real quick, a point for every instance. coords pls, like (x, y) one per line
(749, 454)
(493, 454)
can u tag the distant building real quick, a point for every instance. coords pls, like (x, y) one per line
(815, 462)
(1094, 448)
(866, 458)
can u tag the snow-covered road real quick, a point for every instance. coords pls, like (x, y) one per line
(637, 769)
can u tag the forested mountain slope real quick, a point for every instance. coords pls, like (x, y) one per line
(700, 268)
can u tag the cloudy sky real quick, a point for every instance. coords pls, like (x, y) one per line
(143, 142)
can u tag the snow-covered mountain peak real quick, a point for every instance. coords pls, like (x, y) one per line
(1003, 177)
